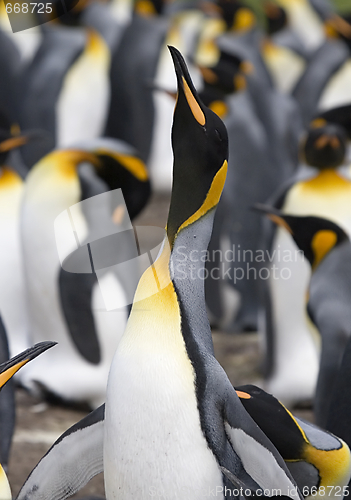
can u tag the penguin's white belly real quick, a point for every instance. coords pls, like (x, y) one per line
(12, 287)
(154, 446)
(296, 360)
(337, 92)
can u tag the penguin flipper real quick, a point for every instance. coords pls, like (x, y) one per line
(258, 455)
(71, 462)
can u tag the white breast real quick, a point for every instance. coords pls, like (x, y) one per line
(154, 445)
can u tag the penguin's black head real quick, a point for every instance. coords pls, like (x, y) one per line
(273, 418)
(200, 148)
(325, 145)
(224, 78)
(339, 116)
(315, 236)
(237, 15)
(275, 16)
(128, 173)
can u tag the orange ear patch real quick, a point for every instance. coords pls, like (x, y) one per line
(193, 104)
(318, 123)
(322, 242)
(243, 395)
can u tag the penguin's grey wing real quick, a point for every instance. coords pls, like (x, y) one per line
(328, 307)
(71, 462)
(259, 457)
(338, 421)
(131, 114)
(324, 63)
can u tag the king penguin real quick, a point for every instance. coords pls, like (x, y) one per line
(69, 307)
(324, 83)
(12, 288)
(172, 417)
(263, 127)
(326, 193)
(69, 97)
(174, 425)
(318, 461)
(327, 248)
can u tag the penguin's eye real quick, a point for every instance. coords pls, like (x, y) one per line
(218, 135)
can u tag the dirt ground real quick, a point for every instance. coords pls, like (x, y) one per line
(40, 423)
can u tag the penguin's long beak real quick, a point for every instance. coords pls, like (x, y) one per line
(186, 86)
(11, 143)
(273, 214)
(9, 368)
(16, 141)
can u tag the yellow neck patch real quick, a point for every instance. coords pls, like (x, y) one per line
(193, 104)
(322, 242)
(318, 123)
(333, 465)
(244, 20)
(9, 178)
(327, 181)
(219, 107)
(96, 46)
(134, 165)
(64, 162)
(5, 490)
(145, 8)
(212, 198)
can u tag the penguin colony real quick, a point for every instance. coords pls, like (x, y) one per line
(241, 112)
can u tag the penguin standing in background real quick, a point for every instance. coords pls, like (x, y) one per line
(283, 52)
(263, 127)
(66, 89)
(328, 250)
(10, 66)
(174, 424)
(338, 421)
(12, 287)
(325, 83)
(67, 304)
(291, 357)
(319, 462)
(140, 112)
(305, 21)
